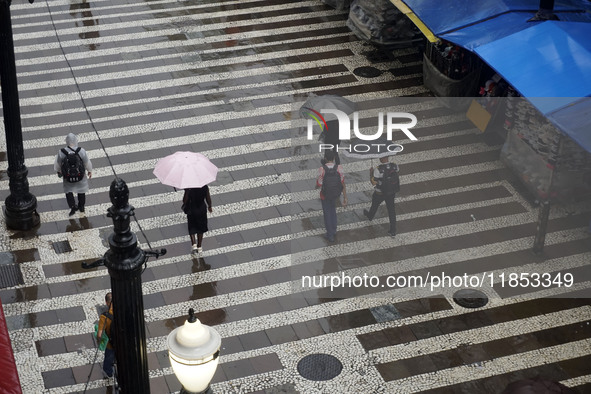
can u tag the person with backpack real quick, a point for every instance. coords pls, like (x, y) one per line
(105, 326)
(331, 181)
(386, 182)
(72, 164)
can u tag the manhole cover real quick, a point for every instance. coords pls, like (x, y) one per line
(470, 298)
(320, 367)
(367, 72)
(62, 247)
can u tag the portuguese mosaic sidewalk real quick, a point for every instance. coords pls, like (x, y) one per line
(221, 78)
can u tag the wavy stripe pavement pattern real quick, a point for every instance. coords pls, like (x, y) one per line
(222, 77)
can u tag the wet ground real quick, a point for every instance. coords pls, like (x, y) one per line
(221, 78)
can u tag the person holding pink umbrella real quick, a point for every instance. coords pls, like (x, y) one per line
(192, 172)
(194, 205)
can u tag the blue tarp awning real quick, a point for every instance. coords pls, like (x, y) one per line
(549, 62)
(550, 65)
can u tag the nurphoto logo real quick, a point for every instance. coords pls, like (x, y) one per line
(344, 130)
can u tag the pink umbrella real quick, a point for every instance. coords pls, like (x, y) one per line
(185, 170)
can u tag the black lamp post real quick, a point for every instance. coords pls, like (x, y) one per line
(20, 207)
(124, 260)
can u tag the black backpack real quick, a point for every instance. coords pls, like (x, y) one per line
(390, 182)
(72, 165)
(332, 187)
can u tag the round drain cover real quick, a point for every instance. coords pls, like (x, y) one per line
(367, 72)
(470, 298)
(319, 367)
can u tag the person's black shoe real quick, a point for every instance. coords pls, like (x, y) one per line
(73, 211)
(392, 234)
(81, 209)
(366, 213)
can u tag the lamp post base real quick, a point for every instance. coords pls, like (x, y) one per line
(207, 391)
(21, 218)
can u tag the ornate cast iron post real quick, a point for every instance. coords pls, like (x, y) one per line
(125, 259)
(20, 207)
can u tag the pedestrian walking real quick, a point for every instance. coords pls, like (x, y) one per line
(386, 182)
(72, 165)
(330, 136)
(194, 205)
(331, 181)
(105, 327)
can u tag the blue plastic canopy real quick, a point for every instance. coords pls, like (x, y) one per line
(549, 62)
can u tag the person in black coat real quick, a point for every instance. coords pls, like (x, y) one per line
(194, 205)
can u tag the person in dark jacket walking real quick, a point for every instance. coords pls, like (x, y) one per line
(329, 208)
(386, 184)
(194, 205)
(80, 187)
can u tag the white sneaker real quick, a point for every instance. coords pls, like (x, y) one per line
(199, 249)
(194, 248)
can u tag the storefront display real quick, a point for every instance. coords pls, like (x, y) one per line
(551, 165)
(451, 72)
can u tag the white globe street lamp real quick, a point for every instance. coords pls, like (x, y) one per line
(194, 351)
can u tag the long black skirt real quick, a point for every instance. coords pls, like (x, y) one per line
(197, 223)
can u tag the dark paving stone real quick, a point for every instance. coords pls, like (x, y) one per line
(83, 373)
(511, 345)
(25, 255)
(448, 326)
(75, 343)
(448, 359)
(282, 334)
(160, 328)
(472, 354)
(266, 363)
(219, 376)
(62, 289)
(154, 300)
(308, 329)
(238, 369)
(426, 329)
(385, 313)
(347, 321)
(173, 384)
(231, 345)
(58, 378)
(158, 385)
(576, 367)
(163, 359)
(393, 371)
(373, 340)
(583, 388)
(254, 340)
(93, 284)
(277, 276)
(48, 347)
(267, 307)
(411, 308)
(398, 335)
(212, 317)
(239, 312)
